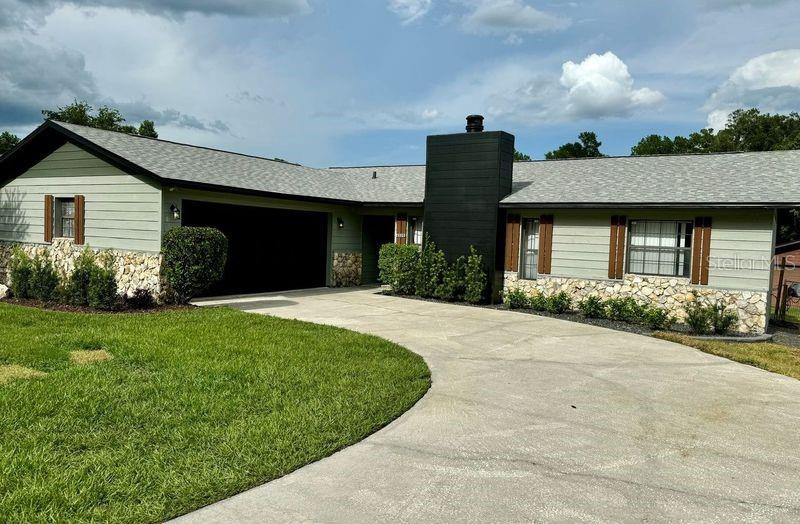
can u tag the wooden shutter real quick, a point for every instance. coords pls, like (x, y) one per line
(80, 214)
(701, 248)
(401, 229)
(545, 244)
(512, 243)
(49, 205)
(616, 247)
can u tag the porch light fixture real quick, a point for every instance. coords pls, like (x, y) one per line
(340, 222)
(176, 213)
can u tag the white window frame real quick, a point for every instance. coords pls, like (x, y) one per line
(528, 270)
(683, 231)
(59, 217)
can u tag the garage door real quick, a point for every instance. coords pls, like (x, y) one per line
(269, 249)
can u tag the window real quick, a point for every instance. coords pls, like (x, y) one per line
(415, 230)
(64, 218)
(530, 248)
(660, 247)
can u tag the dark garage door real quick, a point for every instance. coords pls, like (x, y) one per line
(269, 249)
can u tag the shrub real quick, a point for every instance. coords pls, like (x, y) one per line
(721, 320)
(475, 278)
(516, 299)
(140, 299)
(77, 289)
(699, 319)
(102, 290)
(592, 307)
(431, 269)
(44, 281)
(559, 303)
(397, 265)
(194, 260)
(453, 283)
(538, 302)
(657, 318)
(625, 310)
(21, 269)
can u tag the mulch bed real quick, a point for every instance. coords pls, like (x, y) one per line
(69, 308)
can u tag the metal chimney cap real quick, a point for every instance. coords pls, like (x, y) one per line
(474, 123)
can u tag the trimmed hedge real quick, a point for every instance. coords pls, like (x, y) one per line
(194, 260)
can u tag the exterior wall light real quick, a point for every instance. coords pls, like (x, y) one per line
(340, 222)
(176, 213)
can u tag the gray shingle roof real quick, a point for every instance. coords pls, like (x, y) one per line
(764, 178)
(771, 177)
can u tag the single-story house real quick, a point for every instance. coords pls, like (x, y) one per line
(669, 230)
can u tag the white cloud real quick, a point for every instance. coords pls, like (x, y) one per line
(601, 86)
(410, 10)
(504, 16)
(27, 12)
(513, 39)
(770, 82)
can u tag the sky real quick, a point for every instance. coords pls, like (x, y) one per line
(363, 82)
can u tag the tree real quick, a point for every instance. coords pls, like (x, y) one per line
(521, 157)
(7, 142)
(588, 146)
(108, 118)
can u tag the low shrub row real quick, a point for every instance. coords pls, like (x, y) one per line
(702, 320)
(407, 270)
(91, 283)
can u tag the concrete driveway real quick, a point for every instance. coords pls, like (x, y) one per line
(535, 419)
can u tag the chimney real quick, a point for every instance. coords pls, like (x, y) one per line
(474, 123)
(466, 176)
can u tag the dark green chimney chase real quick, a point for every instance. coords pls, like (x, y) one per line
(466, 176)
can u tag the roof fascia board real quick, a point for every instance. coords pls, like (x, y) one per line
(675, 205)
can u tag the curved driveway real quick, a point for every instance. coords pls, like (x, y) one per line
(535, 419)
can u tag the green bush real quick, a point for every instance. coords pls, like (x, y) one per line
(21, 272)
(516, 299)
(475, 278)
(77, 289)
(102, 290)
(140, 299)
(625, 310)
(431, 269)
(657, 318)
(559, 303)
(538, 302)
(592, 307)
(397, 265)
(699, 319)
(194, 260)
(453, 283)
(722, 320)
(44, 281)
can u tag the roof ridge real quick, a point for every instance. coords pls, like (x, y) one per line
(614, 157)
(217, 150)
(376, 167)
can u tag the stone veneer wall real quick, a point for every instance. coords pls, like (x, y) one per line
(672, 294)
(346, 269)
(135, 270)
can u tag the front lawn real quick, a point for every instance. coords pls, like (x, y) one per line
(777, 358)
(184, 408)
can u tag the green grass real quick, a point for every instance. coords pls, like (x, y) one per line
(196, 405)
(777, 358)
(793, 314)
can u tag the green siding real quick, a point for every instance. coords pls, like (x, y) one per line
(122, 211)
(741, 243)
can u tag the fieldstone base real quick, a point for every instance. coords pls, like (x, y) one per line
(134, 270)
(346, 269)
(671, 294)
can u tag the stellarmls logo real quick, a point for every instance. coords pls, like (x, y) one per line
(760, 263)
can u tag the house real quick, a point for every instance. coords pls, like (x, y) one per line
(670, 230)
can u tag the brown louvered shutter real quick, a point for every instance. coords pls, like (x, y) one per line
(49, 204)
(616, 247)
(401, 229)
(545, 244)
(80, 214)
(512, 243)
(701, 249)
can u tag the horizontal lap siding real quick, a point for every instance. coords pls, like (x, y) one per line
(122, 211)
(741, 243)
